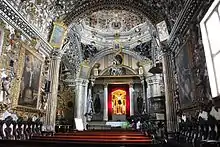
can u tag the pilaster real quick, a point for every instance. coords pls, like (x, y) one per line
(145, 101)
(81, 99)
(105, 115)
(169, 102)
(131, 90)
(52, 96)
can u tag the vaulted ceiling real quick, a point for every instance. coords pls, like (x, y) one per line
(155, 10)
(41, 13)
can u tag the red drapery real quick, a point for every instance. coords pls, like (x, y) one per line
(113, 87)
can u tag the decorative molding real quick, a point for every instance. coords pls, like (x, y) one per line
(155, 11)
(92, 6)
(183, 22)
(102, 73)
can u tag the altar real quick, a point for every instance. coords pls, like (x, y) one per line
(114, 124)
(118, 117)
(118, 102)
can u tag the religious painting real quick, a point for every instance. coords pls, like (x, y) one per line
(84, 70)
(185, 79)
(58, 34)
(162, 31)
(118, 100)
(30, 80)
(1, 39)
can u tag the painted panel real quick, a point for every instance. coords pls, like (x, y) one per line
(185, 79)
(30, 81)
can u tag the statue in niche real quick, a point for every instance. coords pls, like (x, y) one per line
(116, 69)
(97, 104)
(140, 103)
(118, 59)
(6, 84)
(43, 101)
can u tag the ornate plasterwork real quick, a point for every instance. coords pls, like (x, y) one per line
(183, 22)
(154, 10)
(16, 20)
(37, 13)
(113, 20)
(72, 56)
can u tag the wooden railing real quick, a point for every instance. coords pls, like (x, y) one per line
(20, 129)
(198, 133)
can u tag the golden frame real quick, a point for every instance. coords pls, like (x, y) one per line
(119, 95)
(2, 35)
(58, 34)
(16, 84)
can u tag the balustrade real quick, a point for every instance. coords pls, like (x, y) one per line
(198, 133)
(20, 129)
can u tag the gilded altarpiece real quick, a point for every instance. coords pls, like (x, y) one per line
(65, 103)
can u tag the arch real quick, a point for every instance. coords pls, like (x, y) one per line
(152, 12)
(127, 67)
(108, 51)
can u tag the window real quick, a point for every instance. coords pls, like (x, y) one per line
(210, 28)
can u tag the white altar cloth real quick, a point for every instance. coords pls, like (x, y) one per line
(116, 124)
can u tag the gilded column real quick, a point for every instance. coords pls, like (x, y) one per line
(105, 112)
(131, 90)
(52, 97)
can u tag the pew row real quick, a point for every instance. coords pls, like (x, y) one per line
(197, 133)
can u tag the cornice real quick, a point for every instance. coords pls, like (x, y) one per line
(183, 21)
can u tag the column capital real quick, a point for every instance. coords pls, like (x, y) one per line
(56, 54)
(131, 85)
(81, 81)
(105, 84)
